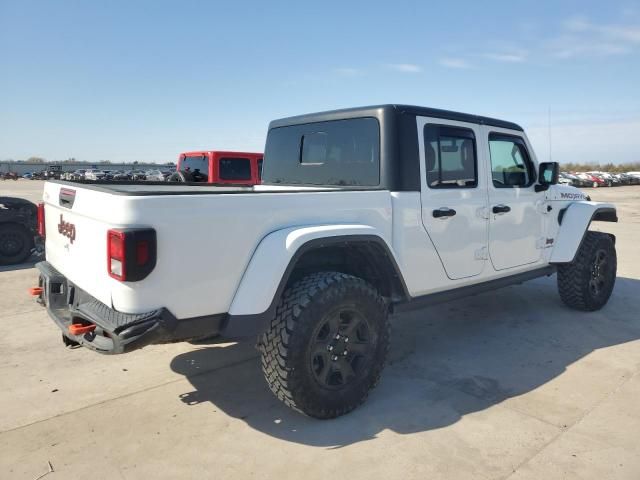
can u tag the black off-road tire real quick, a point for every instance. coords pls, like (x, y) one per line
(587, 282)
(15, 244)
(292, 348)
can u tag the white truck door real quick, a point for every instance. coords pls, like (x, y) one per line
(516, 222)
(454, 194)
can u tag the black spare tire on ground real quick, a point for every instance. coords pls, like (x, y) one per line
(16, 243)
(18, 228)
(326, 347)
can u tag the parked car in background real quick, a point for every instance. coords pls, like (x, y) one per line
(78, 174)
(28, 176)
(630, 179)
(635, 177)
(92, 174)
(120, 175)
(53, 172)
(565, 179)
(138, 175)
(238, 168)
(578, 181)
(154, 176)
(592, 180)
(608, 179)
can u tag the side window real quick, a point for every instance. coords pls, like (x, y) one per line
(510, 163)
(260, 160)
(235, 169)
(450, 157)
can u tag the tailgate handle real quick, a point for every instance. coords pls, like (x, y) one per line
(67, 197)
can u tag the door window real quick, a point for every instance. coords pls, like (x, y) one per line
(450, 156)
(510, 163)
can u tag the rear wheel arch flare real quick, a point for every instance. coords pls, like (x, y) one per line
(364, 256)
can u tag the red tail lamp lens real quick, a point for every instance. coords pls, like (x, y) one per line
(131, 253)
(41, 226)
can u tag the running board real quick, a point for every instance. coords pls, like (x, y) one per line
(428, 300)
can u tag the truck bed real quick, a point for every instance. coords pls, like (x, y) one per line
(144, 188)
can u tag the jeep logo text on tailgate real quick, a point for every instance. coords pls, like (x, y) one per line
(67, 229)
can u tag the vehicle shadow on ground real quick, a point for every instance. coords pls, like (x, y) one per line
(445, 362)
(30, 263)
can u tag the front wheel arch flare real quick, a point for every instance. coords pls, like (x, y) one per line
(574, 224)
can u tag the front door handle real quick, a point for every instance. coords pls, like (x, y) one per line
(501, 209)
(444, 213)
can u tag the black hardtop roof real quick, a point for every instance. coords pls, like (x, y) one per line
(392, 109)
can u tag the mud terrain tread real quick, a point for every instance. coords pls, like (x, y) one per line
(274, 343)
(573, 278)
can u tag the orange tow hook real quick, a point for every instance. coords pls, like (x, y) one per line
(79, 329)
(35, 291)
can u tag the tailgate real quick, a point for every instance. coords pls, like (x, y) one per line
(77, 220)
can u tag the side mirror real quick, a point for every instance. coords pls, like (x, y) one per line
(547, 175)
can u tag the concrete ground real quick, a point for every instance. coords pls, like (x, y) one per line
(509, 384)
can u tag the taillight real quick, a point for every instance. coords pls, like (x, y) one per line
(41, 227)
(116, 255)
(131, 253)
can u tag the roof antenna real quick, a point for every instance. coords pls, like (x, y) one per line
(549, 124)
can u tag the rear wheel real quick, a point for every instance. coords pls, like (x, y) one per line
(326, 347)
(15, 244)
(587, 282)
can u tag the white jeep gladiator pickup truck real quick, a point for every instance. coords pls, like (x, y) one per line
(362, 213)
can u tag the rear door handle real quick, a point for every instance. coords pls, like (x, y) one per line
(444, 213)
(501, 209)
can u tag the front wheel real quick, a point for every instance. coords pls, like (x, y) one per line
(326, 347)
(587, 282)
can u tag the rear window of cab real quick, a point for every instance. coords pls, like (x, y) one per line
(334, 153)
(195, 163)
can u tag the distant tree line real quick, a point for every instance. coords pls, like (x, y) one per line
(600, 167)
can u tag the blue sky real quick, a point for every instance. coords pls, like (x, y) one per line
(144, 80)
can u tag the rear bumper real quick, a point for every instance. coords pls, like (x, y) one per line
(115, 332)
